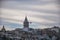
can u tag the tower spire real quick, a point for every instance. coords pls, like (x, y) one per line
(26, 19)
(3, 29)
(26, 23)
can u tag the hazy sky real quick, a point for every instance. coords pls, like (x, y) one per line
(42, 13)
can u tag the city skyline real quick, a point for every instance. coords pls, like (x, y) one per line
(42, 13)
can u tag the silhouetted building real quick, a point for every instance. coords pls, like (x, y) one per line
(26, 24)
(3, 29)
(30, 34)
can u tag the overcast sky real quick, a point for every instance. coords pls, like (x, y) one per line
(42, 13)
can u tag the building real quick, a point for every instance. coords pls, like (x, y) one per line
(26, 24)
(3, 29)
(27, 33)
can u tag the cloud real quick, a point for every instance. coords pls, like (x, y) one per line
(40, 12)
(37, 7)
(19, 13)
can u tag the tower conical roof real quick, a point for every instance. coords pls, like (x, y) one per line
(26, 23)
(26, 20)
(3, 29)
